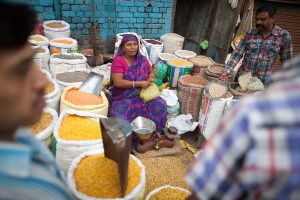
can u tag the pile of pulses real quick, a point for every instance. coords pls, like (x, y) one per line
(170, 194)
(180, 62)
(68, 56)
(202, 61)
(49, 89)
(37, 38)
(185, 53)
(217, 91)
(56, 25)
(197, 80)
(97, 176)
(79, 98)
(216, 69)
(62, 41)
(74, 127)
(42, 124)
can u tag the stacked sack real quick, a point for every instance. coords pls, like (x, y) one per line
(43, 129)
(74, 133)
(60, 63)
(52, 92)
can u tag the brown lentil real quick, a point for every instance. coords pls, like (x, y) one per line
(72, 77)
(42, 124)
(97, 176)
(197, 80)
(170, 194)
(217, 69)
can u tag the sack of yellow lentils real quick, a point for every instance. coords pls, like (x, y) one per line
(168, 192)
(72, 98)
(93, 176)
(43, 129)
(76, 132)
(52, 94)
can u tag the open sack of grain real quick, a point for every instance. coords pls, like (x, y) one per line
(185, 54)
(43, 129)
(214, 99)
(200, 64)
(74, 133)
(63, 45)
(56, 29)
(177, 68)
(92, 176)
(71, 78)
(38, 40)
(60, 63)
(190, 89)
(41, 57)
(172, 42)
(52, 92)
(72, 98)
(168, 192)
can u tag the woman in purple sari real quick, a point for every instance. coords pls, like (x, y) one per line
(131, 72)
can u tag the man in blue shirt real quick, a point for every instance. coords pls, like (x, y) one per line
(27, 168)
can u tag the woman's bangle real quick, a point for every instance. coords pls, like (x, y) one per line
(133, 84)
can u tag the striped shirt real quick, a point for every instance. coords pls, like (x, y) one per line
(28, 171)
(255, 152)
(260, 53)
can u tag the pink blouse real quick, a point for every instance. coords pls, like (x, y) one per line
(120, 66)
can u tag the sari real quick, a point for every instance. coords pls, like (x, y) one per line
(126, 103)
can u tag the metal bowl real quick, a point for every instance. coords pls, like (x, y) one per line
(144, 127)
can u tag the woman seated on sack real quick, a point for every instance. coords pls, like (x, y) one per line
(131, 72)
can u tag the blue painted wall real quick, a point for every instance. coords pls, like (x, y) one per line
(148, 18)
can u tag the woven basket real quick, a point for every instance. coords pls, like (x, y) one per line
(189, 96)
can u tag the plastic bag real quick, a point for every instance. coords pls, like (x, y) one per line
(149, 93)
(161, 69)
(255, 84)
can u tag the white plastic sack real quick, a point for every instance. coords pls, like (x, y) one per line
(45, 136)
(67, 150)
(211, 113)
(58, 65)
(183, 123)
(42, 59)
(57, 47)
(170, 96)
(63, 84)
(153, 49)
(53, 33)
(153, 192)
(105, 70)
(38, 43)
(136, 194)
(52, 99)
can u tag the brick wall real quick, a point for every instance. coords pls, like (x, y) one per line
(148, 18)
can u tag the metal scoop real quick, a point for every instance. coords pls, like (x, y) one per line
(92, 84)
(116, 135)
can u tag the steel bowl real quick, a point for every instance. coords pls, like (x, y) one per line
(144, 127)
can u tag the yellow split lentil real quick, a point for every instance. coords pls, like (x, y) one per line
(180, 62)
(98, 176)
(74, 127)
(37, 38)
(170, 194)
(49, 88)
(42, 124)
